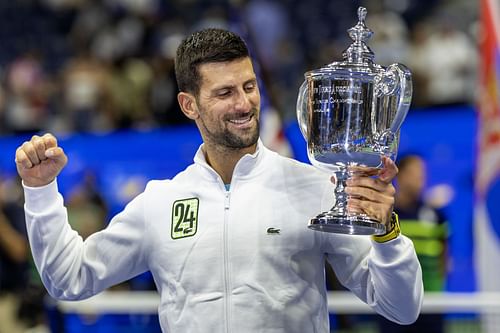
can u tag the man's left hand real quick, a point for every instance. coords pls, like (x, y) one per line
(373, 196)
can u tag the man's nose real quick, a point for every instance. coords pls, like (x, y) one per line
(243, 101)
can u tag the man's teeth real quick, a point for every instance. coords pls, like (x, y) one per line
(240, 121)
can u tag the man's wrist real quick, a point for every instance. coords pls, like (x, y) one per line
(37, 199)
(393, 230)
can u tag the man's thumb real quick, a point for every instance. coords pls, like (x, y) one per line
(56, 154)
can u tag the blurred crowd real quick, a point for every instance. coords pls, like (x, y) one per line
(94, 66)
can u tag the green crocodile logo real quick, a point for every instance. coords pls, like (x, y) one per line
(273, 231)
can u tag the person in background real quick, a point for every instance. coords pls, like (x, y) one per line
(426, 226)
(226, 239)
(14, 258)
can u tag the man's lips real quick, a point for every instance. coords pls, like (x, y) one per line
(242, 121)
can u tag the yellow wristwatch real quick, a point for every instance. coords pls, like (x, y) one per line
(393, 231)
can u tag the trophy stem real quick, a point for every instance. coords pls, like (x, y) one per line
(338, 219)
(341, 196)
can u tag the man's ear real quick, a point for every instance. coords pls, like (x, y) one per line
(188, 105)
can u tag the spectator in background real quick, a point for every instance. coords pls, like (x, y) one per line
(14, 255)
(417, 62)
(86, 95)
(163, 94)
(26, 103)
(390, 38)
(130, 84)
(443, 60)
(87, 210)
(427, 228)
(3, 95)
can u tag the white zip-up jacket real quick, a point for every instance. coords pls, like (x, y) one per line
(237, 260)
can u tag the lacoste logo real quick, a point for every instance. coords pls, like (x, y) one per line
(273, 231)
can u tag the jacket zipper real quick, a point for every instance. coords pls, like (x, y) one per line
(227, 291)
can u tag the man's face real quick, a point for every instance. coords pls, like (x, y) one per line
(229, 104)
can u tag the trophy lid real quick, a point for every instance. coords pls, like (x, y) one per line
(358, 52)
(357, 58)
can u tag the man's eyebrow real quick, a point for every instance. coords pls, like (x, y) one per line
(223, 87)
(252, 80)
(232, 86)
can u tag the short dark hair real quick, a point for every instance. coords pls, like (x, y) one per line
(205, 46)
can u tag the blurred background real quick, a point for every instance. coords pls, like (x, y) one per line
(99, 75)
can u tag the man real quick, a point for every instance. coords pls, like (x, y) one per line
(226, 239)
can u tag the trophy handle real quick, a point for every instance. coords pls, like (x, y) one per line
(302, 108)
(404, 89)
(395, 82)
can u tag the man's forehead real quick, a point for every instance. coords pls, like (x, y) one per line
(228, 70)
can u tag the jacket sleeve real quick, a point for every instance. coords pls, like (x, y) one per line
(387, 276)
(71, 268)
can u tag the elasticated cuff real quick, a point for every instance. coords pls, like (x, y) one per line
(37, 199)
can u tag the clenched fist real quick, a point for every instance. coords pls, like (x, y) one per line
(40, 160)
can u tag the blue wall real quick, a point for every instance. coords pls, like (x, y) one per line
(124, 161)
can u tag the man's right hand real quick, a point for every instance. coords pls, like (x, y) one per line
(40, 160)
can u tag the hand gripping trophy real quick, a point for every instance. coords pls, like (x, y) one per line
(350, 113)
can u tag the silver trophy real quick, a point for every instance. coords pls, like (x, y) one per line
(350, 113)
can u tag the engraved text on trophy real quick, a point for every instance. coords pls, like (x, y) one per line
(340, 128)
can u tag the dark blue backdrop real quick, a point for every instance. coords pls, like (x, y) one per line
(124, 161)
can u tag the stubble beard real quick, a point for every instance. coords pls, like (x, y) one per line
(224, 138)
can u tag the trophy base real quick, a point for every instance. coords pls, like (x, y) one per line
(342, 224)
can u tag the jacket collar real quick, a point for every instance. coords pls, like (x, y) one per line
(247, 166)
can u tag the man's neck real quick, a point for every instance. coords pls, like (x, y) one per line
(223, 160)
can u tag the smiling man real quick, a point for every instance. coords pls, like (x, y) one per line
(226, 239)
(226, 110)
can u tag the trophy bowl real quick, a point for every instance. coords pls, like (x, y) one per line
(350, 114)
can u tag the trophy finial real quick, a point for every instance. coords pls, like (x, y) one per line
(362, 14)
(360, 33)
